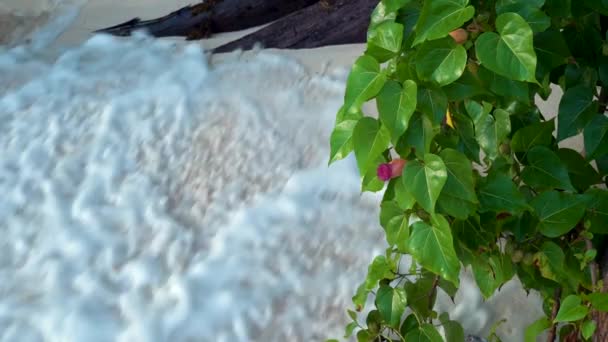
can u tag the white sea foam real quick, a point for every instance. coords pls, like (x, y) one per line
(147, 196)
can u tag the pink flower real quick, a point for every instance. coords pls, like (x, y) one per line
(391, 170)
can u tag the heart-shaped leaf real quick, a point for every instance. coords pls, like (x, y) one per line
(558, 212)
(341, 143)
(433, 102)
(596, 137)
(396, 106)
(576, 109)
(581, 173)
(459, 190)
(364, 82)
(510, 52)
(425, 180)
(441, 61)
(545, 170)
(529, 10)
(432, 246)
(536, 329)
(425, 333)
(532, 135)
(384, 40)
(419, 134)
(599, 301)
(440, 17)
(571, 310)
(498, 193)
(597, 210)
(391, 303)
(492, 130)
(370, 140)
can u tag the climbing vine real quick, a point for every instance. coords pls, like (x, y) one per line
(473, 174)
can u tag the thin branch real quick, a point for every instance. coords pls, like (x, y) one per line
(552, 332)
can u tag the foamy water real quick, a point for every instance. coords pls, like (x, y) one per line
(149, 196)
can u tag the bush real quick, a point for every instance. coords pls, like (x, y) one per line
(474, 171)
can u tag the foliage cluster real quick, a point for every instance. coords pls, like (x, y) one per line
(487, 182)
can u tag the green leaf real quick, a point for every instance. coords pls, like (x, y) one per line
(504, 87)
(599, 301)
(448, 288)
(380, 14)
(403, 196)
(596, 137)
(425, 180)
(466, 133)
(364, 336)
(471, 233)
(477, 111)
(492, 131)
(528, 10)
(419, 134)
(588, 329)
(394, 5)
(558, 212)
(545, 170)
(571, 310)
(511, 52)
(535, 134)
(558, 8)
(425, 333)
(396, 106)
(581, 173)
(551, 50)
(440, 17)
(432, 247)
(410, 323)
(421, 295)
(391, 303)
(352, 314)
(552, 263)
(467, 86)
(433, 103)
(341, 143)
(576, 109)
(458, 194)
(395, 223)
(379, 269)
(498, 193)
(491, 272)
(598, 5)
(441, 61)
(364, 82)
(370, 140)
(349, 329)
(384, 40)
(597, 211)
(370, 181)
(453, 331)
(536, 329)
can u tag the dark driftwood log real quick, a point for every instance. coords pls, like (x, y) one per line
(342, 22)
(297, 23)
(211, 16)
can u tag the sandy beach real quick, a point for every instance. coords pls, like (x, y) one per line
(299, 83)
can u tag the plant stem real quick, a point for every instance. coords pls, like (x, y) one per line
(552, 332)
(602, 99)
